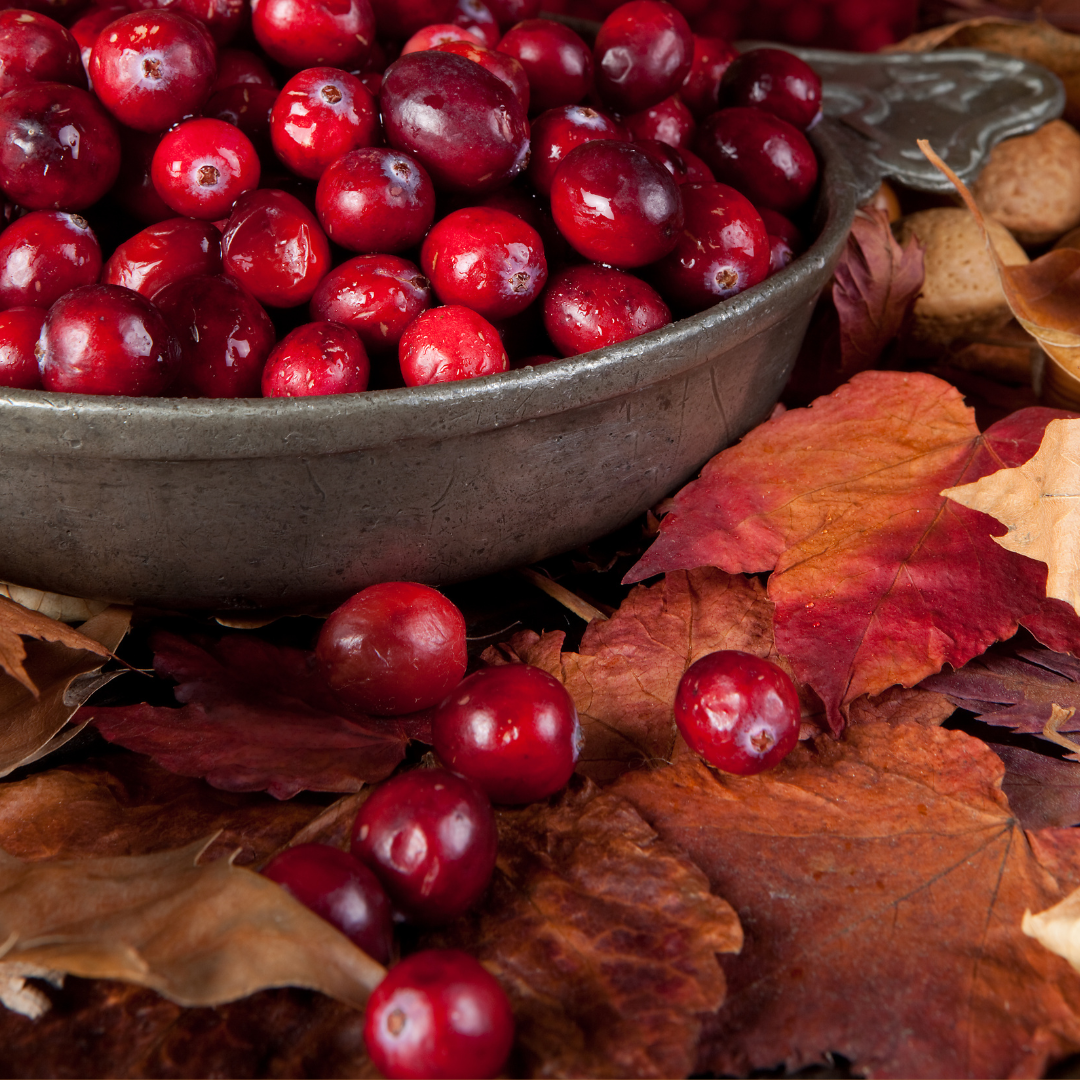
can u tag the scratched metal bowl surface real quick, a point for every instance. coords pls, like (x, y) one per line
(287, 503)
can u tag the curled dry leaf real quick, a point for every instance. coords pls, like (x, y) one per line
(876, 578)
(1058, 928)
(68, 609)
(1042, 791)
(880, 881)
(605, 938)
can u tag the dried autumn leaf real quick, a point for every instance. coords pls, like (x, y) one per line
(604, 937)
(880, 882)
(255, 716)
(67, 609)
(1042, 791)
(876, 578)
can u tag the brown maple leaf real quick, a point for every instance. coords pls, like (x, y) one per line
(1042, 791)
(881, 882)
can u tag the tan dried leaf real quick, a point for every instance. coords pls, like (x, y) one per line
(1057, 928)
(67, 609)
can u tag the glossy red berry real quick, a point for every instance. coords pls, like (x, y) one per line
(669, 121)
(665, 155)
(317, 358)
(463, 124)
(152, 68)
(85, 30)
(273, 246)
(377, 295)
(615, 204)
(476, 16)
(400, 19)
(439, 1014)
(19, 331)
(738, 711)
(556, 60)
(558, 131)
(588, 307)
(774, 80)
(241, 66)
(104, 339)
(513, 730)
(35, 48)
(643, 52)
(314, 33)
(697, 172)
(45, 254)
(500, 65)
(203, 166)
(700, 90)
(163, 253)
(439, 34)
(222, 19)
(486, 259)
(393, 648)
(246, 106)
(430, 837)
(320, 114)
(60, 149)
(445, 344)
(339, 888)
(785, 240)
(509, 13)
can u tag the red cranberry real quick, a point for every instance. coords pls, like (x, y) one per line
(134, 190)
(163, 253)
(85, 30)
(445, 344)
(738, 711)
(393, 648)
(488, 260)
(643, 52)
(224, 335)
(512, 730)
(774, 80)
(665, 155)
(317, 358)
(236, 66)
(766, 158)
(44, 255)
(60, 149)
(430, 838)
(697, 172)
(274, 247)
(377, 295)
(439, 1014)
(439, 34)
(509, 13)
(320, 114)
(558, 131)
(588, 307)
(314, 33)
(400, 19)
(221, 18)
(104, 339)
(669, 121)
(152, 68)
(464, 125)
(614, 204)
(339, 888)
(785, 240)
(19, 331)
(475, 16)
(557, 62)
(203, 166)
(246, 106)
(722, 250)
(35, 48)
(701, 88)
(375, 199)
(499, 64)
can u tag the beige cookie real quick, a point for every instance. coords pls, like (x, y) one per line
(961, 296)
(1031, 184)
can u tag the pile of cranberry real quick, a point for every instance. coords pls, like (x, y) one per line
(424, 843)
(500, 194)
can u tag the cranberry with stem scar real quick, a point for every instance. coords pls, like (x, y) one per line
(44, 255)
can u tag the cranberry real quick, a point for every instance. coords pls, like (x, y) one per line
(449, 343)
(588, 307)
(669, 121)
(377, 295)
(339, 888)
(400, 19)
(317, 358)
(439, 1014)
(738, 711)
(776, 81)
(722, 250)
(86, 29)
(489, 260)
(558, 131)
(643, 52)
(697, 172)
(666, 155)
(439, 34)
(221, 18)
(104, 339)
(614, 204)
(310, 33)
(60, 149)
(203, 166)
(152, 68)
(475, 16)
(499, 64)
(19, 331)
(44, 255)
(163, 253)
(785, 239)
(134, 190)
(509, 13)
(35, 48)
(766, 158)
(393, 648)
(513, 730)
(464, 125)
(224, 334)
(274, 247)
(557, 62)
(241, 66)
(430, 837)
(701, 88)
(246, 106)
(320, 114)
